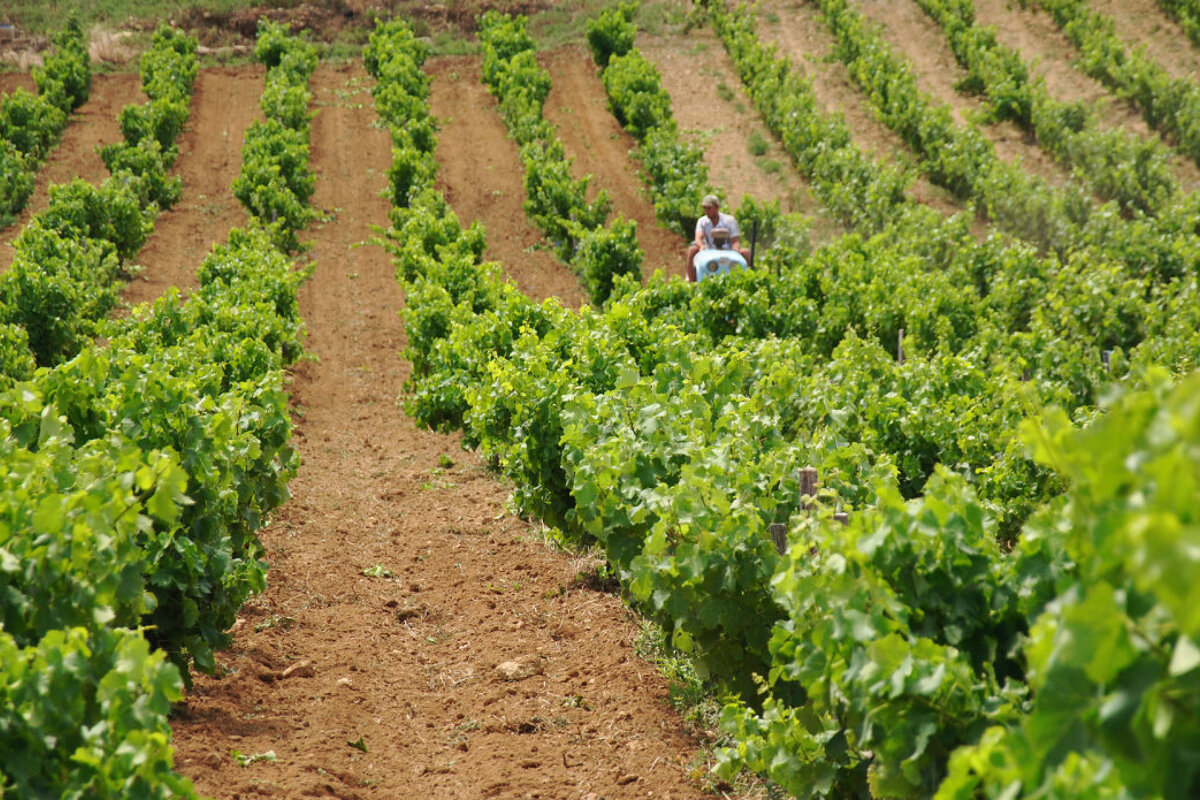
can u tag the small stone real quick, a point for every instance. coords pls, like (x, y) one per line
(519, 670)
(344, 682)
(301, 669)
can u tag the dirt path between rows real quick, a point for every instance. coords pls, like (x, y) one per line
(391, 687)
(913, 35)
(9, 81)
(796, 28)
(224, 103)
(1049, 54)
(715, 113)
(92, 124)
(578, 108)
(1143, 22)
(481, 175)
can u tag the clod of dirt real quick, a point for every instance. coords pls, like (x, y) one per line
(521, 669)
(411, 612)
(301, 669)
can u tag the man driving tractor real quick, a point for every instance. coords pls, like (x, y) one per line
(714, 231)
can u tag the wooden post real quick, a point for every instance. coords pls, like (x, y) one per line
(1106, 360)
(779, 537)
(808, 487)
(900, 347)
(842, 517)
(753, 241)
(1026, 376)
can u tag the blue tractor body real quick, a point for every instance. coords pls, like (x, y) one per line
(715, 262)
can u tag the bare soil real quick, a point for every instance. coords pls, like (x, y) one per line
(91, 125)
(1144, 23)
(388, 686)
(482, 177)
(224, 103)
(913, 35)
(796, 28)
(714, 112)
(1050, 54)
(10, 81)
(577, 106)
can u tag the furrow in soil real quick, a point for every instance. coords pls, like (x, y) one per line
(386, 685)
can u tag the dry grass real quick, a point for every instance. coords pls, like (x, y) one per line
(113, 47)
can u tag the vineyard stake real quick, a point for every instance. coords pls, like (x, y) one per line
(900, 347)
(808, 487)
(754, 241)
(779, 537)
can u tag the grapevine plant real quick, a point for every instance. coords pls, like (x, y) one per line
(64, 279)
(30, 124)
(165, 447)
(555, 203)
(926, 645)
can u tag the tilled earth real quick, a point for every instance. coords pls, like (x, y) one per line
(477, 661)
(417, 639)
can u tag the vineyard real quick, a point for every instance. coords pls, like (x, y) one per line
(364, 439)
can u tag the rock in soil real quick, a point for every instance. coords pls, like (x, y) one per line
(520, 670)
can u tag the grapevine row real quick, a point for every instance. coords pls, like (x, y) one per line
(671, 427)
(674, 172)
(31, 124)
(1170, 105)
(1116, 165)
(1187, 14)
(164, 449)
(558, 401)
(554, 202)
(64, 279)
(1063, 221)
(862, 194)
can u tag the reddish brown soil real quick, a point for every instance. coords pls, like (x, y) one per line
(1049, 54)
(1143, 22)
(482, 177)
(224, 103)
(382, 687)
(714, 112)
(592, 137)
(914, 36)
(796, 28)
(9, 81)
(92, 124)
(406, 665)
